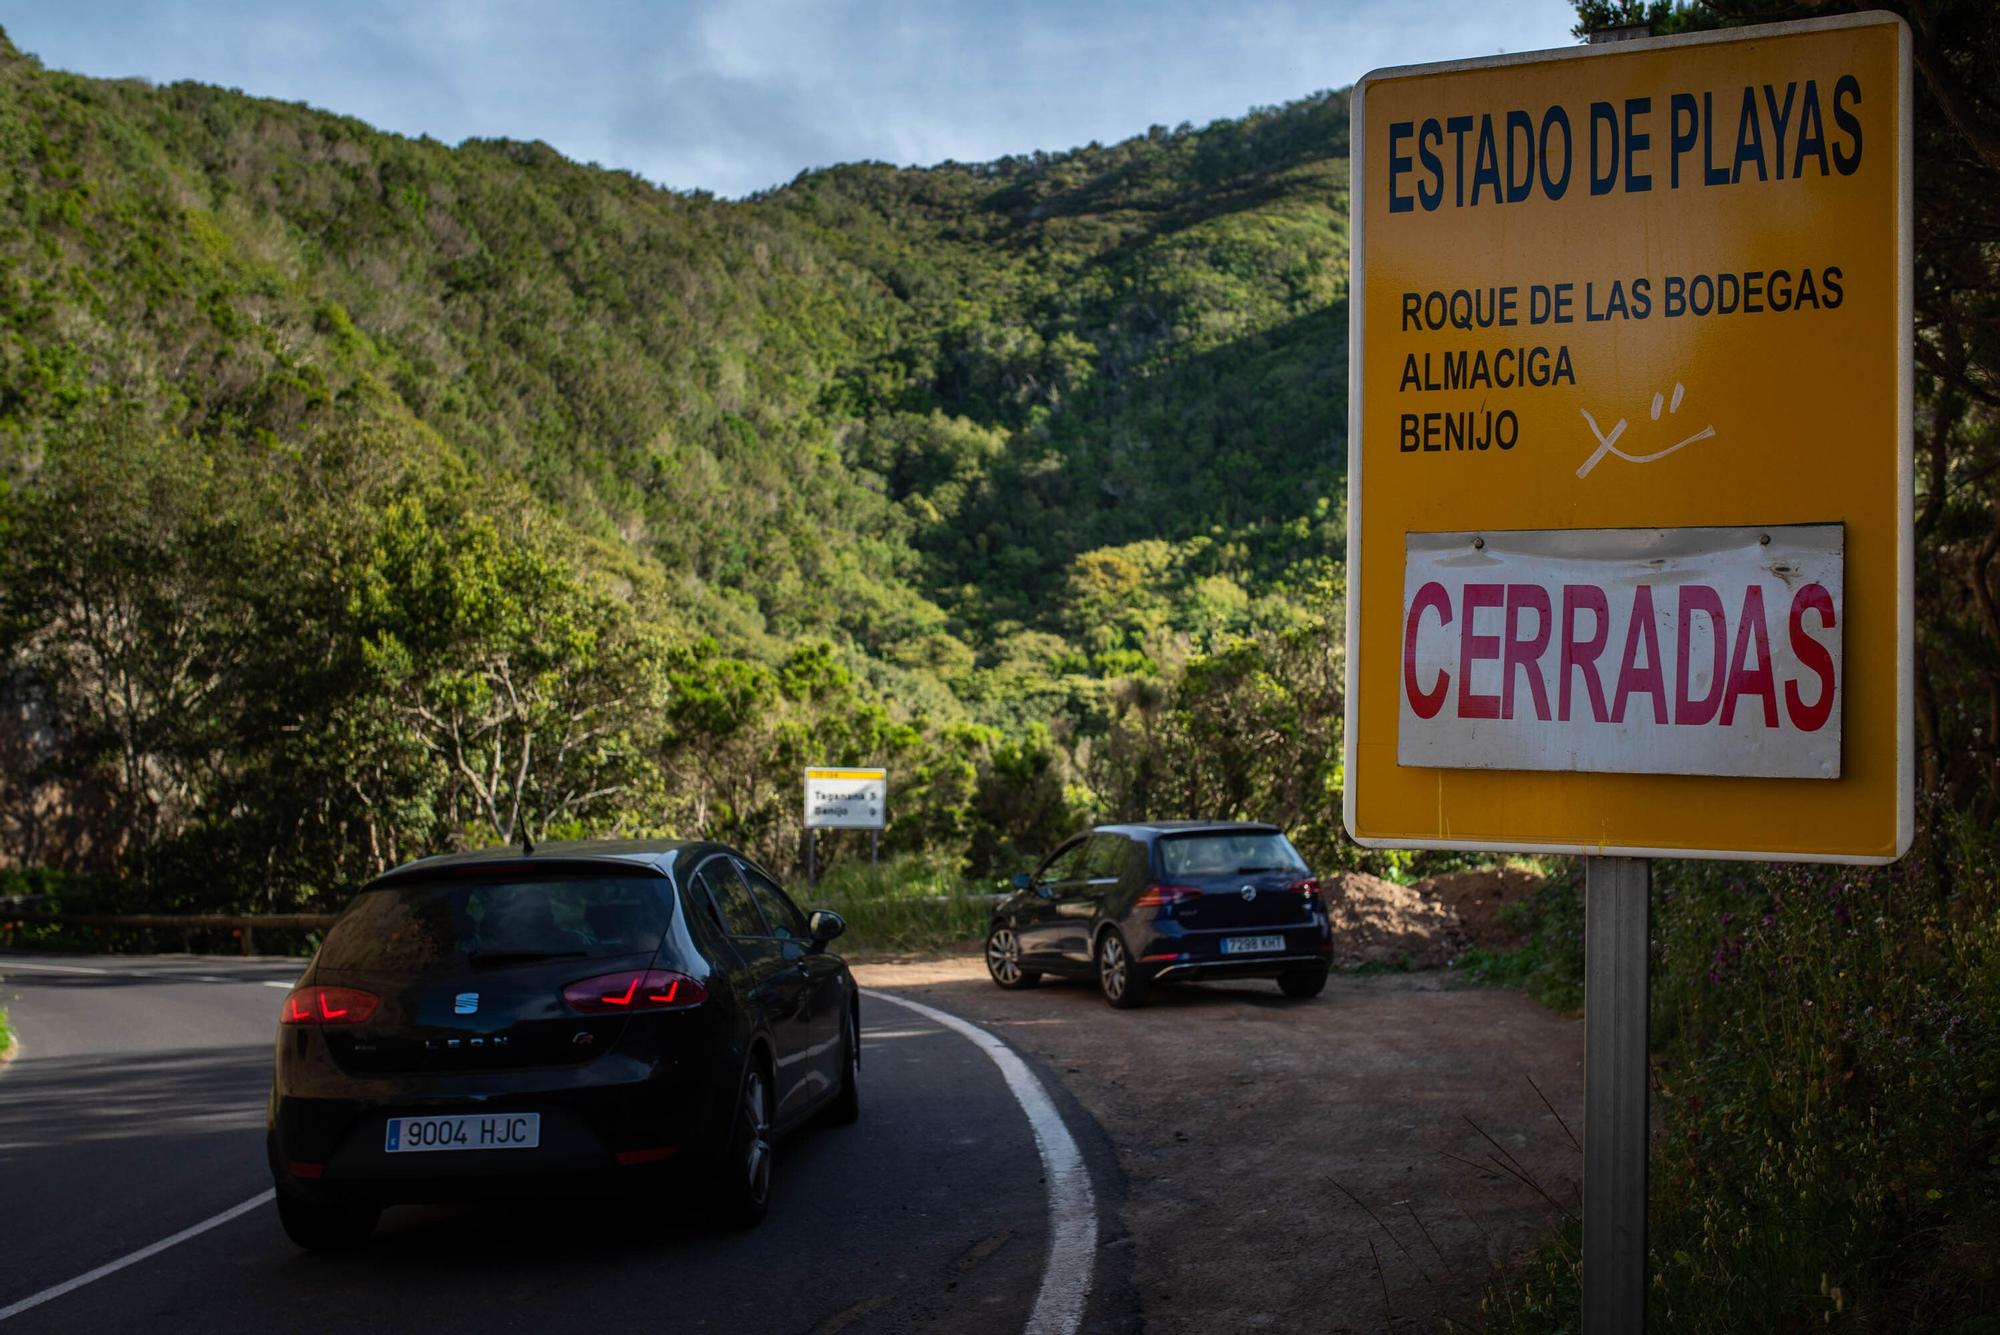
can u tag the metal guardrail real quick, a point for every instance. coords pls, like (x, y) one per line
(247, 924)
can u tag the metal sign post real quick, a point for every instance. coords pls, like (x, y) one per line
(1616, 973)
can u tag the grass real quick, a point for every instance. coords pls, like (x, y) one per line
(6, 1035)
(906, 905)
(1826, 1099)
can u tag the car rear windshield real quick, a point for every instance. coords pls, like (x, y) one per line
(1228, 853)
(456, 923)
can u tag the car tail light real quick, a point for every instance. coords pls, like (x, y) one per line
(329, 1005)
(632, 990)
(1309, 890)
(1160, 896)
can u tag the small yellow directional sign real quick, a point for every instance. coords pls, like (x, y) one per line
(1630, 507)
(846, 798)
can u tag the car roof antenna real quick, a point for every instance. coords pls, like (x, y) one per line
(527, 844)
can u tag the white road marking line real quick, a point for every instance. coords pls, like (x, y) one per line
(113, 1267)
(15, 966)
(1065, 1289)
(8, 966)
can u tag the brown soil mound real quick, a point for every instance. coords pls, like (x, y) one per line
(1379, 922)
(1479, 897)
(1425, 925)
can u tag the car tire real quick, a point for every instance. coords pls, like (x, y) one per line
(845, 1107)
(1118, 976)
(1003, 960)
(1303, 983)
(319, 1227)
(742, 1190)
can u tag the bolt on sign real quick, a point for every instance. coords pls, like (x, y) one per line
(846, 799)
(1630, 480)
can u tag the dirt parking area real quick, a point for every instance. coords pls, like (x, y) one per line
(1359, 1162)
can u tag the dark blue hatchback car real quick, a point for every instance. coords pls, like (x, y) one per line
(1165, 901)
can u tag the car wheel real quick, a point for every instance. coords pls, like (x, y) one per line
(743, 1178)
(1303, 983)
(845, 1108)
(1117, 975)
(326, 1228)
(1003, 960)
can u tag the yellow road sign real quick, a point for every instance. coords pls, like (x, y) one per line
(1630, 489)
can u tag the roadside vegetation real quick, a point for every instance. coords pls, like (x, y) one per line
(905, 906)
(1826, 1094)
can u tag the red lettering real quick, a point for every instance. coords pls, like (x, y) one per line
(1812, 656)
(1424, 703)
(1744, 680)
(1583, 654)
(1688, 711)
(1633, 679)
(1525, 653)
(1472, 648)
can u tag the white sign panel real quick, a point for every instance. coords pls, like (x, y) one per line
(846, 799)
(1625, 651)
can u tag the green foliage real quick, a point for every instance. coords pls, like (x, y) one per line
(1550, 966)
(363, 497)
(1828, 1093)
(907, 905)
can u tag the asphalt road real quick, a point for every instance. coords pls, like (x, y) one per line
(136, 1111)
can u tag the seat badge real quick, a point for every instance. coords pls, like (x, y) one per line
(1249, 892)
(465, 1003)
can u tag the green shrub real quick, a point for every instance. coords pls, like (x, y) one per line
(1827, 1101)
(906, 904)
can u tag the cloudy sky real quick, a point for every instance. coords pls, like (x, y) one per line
(736, 95)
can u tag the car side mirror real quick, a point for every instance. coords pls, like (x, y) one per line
(825, 925)
(1022, 880)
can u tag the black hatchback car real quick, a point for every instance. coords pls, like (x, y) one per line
(581, 1019)
(1133, 905)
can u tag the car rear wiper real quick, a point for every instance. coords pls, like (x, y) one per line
(479, 957)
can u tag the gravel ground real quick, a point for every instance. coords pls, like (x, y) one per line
(1307, 1166)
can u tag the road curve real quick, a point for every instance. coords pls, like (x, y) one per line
(136, 1111)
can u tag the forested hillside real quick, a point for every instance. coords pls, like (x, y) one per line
(362, 496)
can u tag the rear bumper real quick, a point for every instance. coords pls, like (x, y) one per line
(335, 1151)
(607, 1126)
(1173, 951)
(1249, 966)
